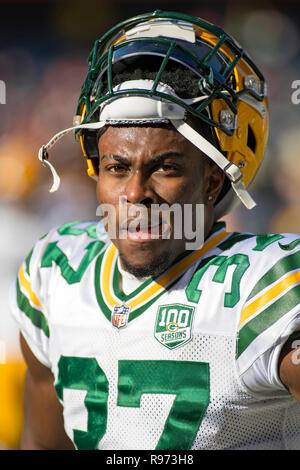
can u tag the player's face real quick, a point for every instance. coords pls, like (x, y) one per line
(146, 166)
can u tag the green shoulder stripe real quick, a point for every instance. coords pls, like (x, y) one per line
(283, 266)
(36, 317)
(267, 318)
(27, 262)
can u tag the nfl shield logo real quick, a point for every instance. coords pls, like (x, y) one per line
(119, 316)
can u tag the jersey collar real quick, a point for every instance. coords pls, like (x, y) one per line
(107, 277)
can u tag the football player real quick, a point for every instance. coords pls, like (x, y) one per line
(133, 341)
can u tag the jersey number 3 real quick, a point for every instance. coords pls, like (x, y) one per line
(188, 380)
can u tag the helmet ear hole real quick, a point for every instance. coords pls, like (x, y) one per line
(90, 142)
(251, 140)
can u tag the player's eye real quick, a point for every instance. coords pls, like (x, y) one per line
(116, 168)
(169, 168)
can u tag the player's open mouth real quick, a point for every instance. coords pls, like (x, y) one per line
(143, 232)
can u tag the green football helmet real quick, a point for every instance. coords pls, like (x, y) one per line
(230, 96)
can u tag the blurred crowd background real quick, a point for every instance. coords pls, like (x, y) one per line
(43, 61)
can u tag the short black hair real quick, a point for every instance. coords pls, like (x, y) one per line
(183, 81)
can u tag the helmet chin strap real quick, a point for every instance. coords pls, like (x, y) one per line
(147, 109)
(43, 152)
(230, 169)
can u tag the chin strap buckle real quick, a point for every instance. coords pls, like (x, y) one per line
(43, 157)
(233, 172)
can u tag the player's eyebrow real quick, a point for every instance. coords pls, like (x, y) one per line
(153, 161)
(117, 158)
(161, 158)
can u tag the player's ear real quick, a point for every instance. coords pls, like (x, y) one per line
(213, 182)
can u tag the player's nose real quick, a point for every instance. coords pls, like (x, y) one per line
(138, 190)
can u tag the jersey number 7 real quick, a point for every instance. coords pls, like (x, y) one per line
(188, 380)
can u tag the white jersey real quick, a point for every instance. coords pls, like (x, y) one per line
(187, 362)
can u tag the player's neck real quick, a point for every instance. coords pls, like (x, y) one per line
(128, 282)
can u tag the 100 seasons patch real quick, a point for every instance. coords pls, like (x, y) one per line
(173, 326)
